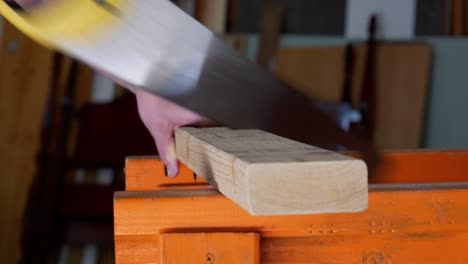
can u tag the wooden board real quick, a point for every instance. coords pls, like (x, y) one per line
(459, 17)
(146, 174)
(212, 14)
(403, 71)
(209, 248)
(25, 75)
(269, 175)
(422, 166)
(313, 71)
(400, 226)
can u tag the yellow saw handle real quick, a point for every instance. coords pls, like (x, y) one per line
(74, 20)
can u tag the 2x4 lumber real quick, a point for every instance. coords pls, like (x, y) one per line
(269, 175)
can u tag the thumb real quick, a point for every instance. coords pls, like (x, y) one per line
(160, 128)
(167, 151)
(163, 135)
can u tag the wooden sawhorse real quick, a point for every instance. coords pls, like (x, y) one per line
(418, 213)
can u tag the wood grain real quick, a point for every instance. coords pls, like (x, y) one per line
(315, 72)
(137, 249)
(430, 247)
(25, 75)
(269, 175)
(402, 81)
(182, 248)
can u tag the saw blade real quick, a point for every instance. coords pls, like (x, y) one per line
(154, 45)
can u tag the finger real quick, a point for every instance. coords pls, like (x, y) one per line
(160, 128)
(163, 134)
(167, 151)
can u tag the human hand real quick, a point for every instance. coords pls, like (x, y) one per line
(162, 118)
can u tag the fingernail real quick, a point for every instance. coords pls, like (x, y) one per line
(172, 170)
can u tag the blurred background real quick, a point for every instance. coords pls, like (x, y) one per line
(65, 130)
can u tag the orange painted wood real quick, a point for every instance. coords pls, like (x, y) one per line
(137, 249)
(407, 226)
(422, 167)
(367, 249)
(402, 225)
(407, 211)
(334, 249)
(147, 173)
(209, 248)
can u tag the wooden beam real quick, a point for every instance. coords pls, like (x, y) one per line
(269, 175)
(421, 166)
(25, 77)
(181, 248)
(147, 173)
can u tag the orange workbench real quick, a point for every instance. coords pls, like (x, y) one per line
(418, 213)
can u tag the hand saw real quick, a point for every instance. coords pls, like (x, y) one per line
(154, 45)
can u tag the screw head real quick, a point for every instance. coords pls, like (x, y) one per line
(209, 258)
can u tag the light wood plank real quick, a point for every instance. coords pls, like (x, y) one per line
(269, 175)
